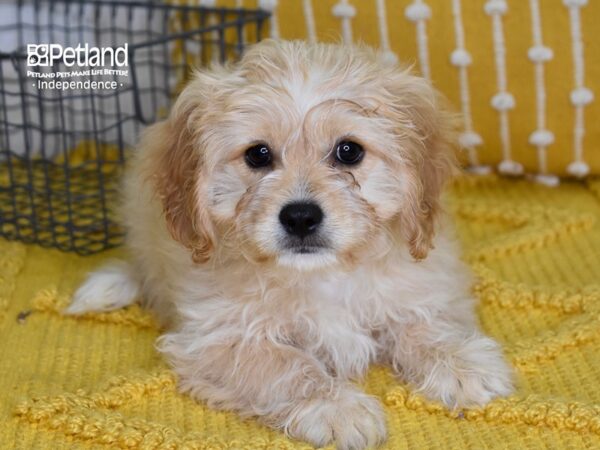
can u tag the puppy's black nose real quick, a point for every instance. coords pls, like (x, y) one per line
(301, 219)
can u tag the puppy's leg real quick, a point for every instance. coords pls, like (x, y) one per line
(449, 362)
(111, 287)
(285, 387)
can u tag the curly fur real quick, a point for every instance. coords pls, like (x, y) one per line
(256, 328)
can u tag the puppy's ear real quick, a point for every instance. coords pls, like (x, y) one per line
(176, 172)
(427, 133)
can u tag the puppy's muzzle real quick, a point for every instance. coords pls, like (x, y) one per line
(301, 219)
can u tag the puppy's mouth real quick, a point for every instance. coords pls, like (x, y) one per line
(306, 246)
(306, 254)
(306, 250)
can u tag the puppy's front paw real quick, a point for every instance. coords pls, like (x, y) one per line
(353, 420)
(471, 376)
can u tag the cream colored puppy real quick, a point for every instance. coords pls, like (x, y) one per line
(283, 224)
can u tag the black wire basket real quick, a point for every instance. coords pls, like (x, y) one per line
(78, 81)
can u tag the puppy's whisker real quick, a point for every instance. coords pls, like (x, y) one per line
(328, 155)
(354, 182)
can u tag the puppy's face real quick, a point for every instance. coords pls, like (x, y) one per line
(303, 156)
(306, 188)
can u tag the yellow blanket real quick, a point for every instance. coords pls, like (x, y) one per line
(98, 382)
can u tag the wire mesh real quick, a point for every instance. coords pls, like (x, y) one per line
(62, 149)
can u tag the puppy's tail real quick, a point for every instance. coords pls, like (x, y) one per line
(111, 287)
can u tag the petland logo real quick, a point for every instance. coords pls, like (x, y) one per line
(46, 55)
(83, 67)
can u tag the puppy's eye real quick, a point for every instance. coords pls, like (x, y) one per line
(258, 156)
(349, 153)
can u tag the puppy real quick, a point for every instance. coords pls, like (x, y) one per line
(284, 224)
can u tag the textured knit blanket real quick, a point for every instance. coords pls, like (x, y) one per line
(98, 382)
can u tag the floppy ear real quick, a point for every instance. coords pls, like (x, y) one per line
(427, 131)
(176, 170)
